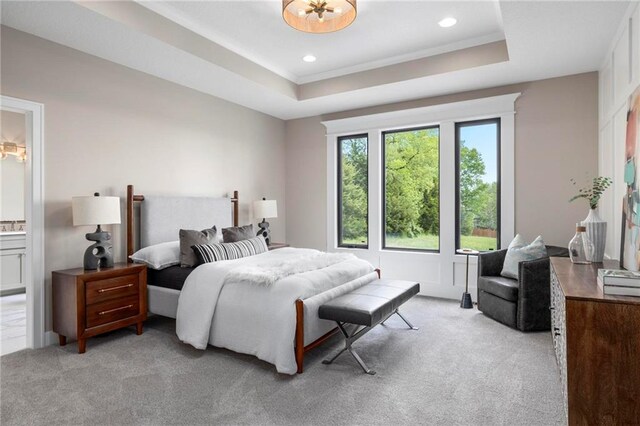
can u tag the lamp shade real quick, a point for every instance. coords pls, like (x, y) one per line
(95, 210)
(265, 209)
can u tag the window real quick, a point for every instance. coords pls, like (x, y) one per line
(411, 208)
(353, 191)
(478, 185)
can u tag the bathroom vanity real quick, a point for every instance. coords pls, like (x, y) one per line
(12, 262)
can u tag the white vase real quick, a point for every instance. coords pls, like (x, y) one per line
(597, 234)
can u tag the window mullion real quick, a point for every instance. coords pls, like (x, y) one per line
(447, 189)
(375, 191)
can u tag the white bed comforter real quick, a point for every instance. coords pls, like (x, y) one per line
(250, 317)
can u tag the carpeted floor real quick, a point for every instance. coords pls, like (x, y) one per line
(460, 368)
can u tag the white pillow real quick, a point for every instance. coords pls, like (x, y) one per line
(158, 256)
(519, 251)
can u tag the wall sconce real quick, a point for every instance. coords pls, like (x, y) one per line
(10, 148)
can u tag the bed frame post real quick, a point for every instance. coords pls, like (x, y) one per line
(300, 335)
(236, 204)
(131, 197)
(129, 222)
(378, 272)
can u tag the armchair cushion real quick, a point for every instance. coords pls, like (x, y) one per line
(490, 262)
(519, 251)
(505, 288)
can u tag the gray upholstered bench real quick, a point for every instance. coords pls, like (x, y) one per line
(366, 307)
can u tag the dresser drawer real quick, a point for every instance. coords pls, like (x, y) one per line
(112, 310)
(112, 288)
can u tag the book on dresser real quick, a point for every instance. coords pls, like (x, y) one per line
(619, 282)
(619, 277)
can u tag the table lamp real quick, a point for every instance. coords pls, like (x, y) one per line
(97, 210)
(265, 209)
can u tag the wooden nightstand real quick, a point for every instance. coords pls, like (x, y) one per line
(275, 246)
(88, 303)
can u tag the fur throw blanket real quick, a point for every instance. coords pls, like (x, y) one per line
(268, 274)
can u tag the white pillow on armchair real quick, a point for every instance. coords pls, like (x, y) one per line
(520, 251)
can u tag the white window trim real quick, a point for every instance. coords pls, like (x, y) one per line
(444, 115)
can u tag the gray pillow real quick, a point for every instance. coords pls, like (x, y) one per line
(237, 233)
(518, 252)
(189, 238)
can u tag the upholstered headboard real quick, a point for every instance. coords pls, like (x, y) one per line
(161, 218)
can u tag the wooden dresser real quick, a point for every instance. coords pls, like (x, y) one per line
(597, 344)
(88, 303)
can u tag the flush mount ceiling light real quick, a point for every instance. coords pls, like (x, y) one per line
(447, 22)
(319, 16)
(309, 58)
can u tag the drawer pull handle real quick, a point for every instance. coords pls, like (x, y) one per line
(116, 309)
(102, 290)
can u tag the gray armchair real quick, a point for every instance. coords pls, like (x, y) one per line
(522, 303)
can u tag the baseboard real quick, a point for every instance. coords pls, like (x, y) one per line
(13, 291)
(50, 338)
(448, 292)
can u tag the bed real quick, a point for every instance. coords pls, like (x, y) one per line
(278, 324)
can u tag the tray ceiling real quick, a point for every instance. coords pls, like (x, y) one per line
(244, 52)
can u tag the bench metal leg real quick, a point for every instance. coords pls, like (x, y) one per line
(361, 362)
(406, 320)
(358, 333)
(348, 341)
(397, 311)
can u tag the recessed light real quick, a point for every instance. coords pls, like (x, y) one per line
(447, 22)
(309, 58)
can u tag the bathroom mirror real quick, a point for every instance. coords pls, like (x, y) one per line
(12, 170)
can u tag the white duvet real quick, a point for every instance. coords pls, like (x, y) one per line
(221, 303)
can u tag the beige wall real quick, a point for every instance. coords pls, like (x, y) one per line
(556, 140)
(12, 126)
(107, 126)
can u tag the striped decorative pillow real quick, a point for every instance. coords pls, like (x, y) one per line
(207, 253)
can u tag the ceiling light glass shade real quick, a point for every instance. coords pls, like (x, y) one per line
(319, 16)
(92, 210)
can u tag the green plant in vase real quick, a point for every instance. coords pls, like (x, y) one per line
(594, 192)
(596, 228)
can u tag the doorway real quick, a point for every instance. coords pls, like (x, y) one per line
(13, 247)
(21, 225)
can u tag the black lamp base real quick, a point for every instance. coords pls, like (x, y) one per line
(264, 231)
(466, 302)
(98, 255)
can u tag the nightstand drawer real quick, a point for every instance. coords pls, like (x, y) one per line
(112, 310)
(113, 288)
